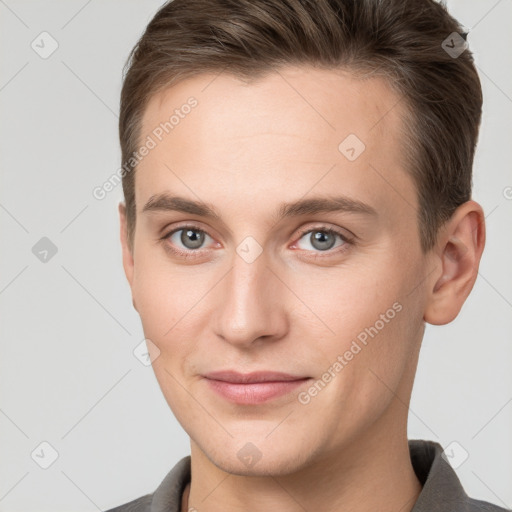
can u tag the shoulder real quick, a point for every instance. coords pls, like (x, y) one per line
(167, 496)
(142, 504)
(484, 506)
(442, 490)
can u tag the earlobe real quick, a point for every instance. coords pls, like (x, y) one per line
(460, 245)
(128, 261)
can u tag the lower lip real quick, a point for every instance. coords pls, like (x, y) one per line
(255, 393)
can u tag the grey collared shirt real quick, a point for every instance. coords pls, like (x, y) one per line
(442, 490)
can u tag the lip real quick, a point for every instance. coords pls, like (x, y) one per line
(248, 378)
(253, 388)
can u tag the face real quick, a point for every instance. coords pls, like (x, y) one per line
(329, 294)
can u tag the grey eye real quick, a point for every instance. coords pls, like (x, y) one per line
(321, 239)
(191, 238)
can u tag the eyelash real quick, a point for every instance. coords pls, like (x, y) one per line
(192, 254)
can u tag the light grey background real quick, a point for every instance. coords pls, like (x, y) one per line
(68, 375)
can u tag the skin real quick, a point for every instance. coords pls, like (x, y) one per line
(245, 149)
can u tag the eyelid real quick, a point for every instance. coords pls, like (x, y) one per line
(327, 227)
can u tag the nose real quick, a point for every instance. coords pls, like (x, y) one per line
(251, 303)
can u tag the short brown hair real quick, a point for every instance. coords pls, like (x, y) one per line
(398, 39)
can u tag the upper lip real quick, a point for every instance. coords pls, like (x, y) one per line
(246, 378)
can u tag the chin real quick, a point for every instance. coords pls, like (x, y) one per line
(260, 458)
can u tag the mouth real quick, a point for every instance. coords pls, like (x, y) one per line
(253, 388)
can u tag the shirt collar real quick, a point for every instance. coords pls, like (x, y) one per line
(442, 490)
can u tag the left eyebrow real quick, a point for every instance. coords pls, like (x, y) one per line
(324, 205)
(311, 206)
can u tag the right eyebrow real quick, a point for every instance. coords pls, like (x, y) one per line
(165, 202)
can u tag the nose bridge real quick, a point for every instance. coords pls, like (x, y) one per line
(250, 305)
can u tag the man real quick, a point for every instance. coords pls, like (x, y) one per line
(297, 181)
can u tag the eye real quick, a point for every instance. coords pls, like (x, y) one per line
(322, 239)
(185, 239)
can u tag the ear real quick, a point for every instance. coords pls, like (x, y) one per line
(457, 253)
(128, 260)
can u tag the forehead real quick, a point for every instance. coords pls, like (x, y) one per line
(323, 99)
(284, 134)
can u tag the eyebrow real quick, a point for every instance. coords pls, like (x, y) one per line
(166, 202)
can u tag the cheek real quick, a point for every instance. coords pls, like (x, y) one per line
(349, 299)
(165, 304)
(371, 365)
(162, 304)
(374, 323)
(160, 291)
